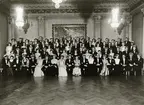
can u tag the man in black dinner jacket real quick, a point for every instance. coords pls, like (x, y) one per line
(69, 65)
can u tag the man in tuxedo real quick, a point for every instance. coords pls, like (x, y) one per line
(17, 66)
(32, 64)
(131, 46)
(127, 42)
(124, 64)
(84, 65)
(69, 65)
(20, 42)
(111, 64)
(5, 65)
(98, 61)
(47, 67)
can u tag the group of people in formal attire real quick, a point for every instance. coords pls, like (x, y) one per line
(71, 57)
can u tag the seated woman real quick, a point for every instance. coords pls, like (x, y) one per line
(104, 71)
(38, 72)
(76, 70)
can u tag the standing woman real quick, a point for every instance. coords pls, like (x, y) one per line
(38, 72)
(117, 68)
(8, 49)
(104, 71)
(77, 70)
(91, 71)
(62, 67)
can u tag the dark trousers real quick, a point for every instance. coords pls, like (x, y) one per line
(69, 71)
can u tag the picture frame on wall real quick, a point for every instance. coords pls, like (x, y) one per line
(69, 30)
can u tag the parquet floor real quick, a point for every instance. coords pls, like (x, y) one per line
(72, 91)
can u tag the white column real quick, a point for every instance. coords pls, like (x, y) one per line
(97, 27)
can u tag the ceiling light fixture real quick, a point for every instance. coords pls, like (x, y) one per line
(19, 17)
(57, 3)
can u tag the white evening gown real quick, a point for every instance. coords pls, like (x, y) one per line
(62, 68)
(38, 72)
(77, 70)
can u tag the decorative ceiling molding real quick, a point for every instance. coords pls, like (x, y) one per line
(137, 10)
(56, 11)
(66, 8)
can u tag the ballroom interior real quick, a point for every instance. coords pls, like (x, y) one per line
(93, 19)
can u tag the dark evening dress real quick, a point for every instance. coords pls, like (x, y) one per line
(91, 71)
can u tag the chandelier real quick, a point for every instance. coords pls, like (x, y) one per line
(115, 21)
(19, 17)
(57, 3)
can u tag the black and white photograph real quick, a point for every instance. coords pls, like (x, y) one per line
(71, 52)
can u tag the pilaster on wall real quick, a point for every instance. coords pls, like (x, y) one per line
(11, 28)
(97, 26)
(129, 27)
(142, 10)
(41, 26)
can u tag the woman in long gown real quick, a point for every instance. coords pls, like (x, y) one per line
(91, 71)
(62, 67)
(38, 72)
(8, 49)
(117, 70)
(104, 71)
(77, 70)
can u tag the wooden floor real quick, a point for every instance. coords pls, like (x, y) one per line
(72, 91)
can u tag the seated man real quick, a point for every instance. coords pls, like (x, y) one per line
(69, 65)
(46, 67)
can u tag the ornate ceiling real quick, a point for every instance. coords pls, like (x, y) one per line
(129, 3)
(73, 6)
